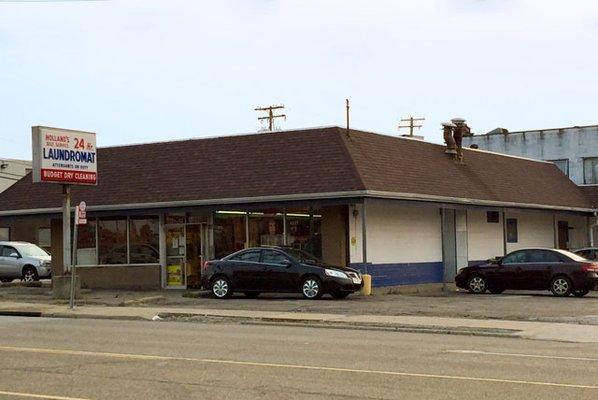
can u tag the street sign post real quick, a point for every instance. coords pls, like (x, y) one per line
(80, 219)
(66, 157)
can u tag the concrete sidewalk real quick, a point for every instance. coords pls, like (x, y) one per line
(516, 329)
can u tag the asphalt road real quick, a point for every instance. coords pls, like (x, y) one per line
(107, 359)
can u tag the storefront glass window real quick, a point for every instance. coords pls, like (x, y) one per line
(266, 229)
(304, 231)
(112, 236)
(144, 240)
(229, 232)
(86, 243)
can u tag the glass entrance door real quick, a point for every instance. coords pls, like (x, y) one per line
(194, 254)
(176, 249)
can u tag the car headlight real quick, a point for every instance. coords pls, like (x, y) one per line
(335, 273)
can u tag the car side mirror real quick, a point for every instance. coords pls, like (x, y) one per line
(14, 255)
(287, 263)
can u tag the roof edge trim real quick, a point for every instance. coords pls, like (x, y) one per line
(307, 196)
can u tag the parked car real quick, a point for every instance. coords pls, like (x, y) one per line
(559, 271)
(590, 253)
(277, 269)
(23, 260)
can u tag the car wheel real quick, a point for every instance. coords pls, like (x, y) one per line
(561, 286)
(29, 275)
(581, 293)
(311, 288)
(340, 295)
(477, 284)
(221, 288)
(252, 295)
(496, 290)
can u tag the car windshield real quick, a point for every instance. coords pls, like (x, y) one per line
(573, 256)
(304, 257)
(31, 250)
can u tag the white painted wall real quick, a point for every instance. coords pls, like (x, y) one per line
(11, 171)
(535, 229)
(485, 239)
(399, 233)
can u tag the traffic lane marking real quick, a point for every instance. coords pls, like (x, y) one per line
(522, 355)
(292, 366)
(38, 396)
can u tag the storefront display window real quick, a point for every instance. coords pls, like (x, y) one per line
(304, 231)
(143, 240)
(86, 243)
(266, 229)
(229, 232)
(112, 236)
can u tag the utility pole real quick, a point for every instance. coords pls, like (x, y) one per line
(347, 106)
(271, 116)
(411, 124)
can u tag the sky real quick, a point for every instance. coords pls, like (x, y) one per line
(153, 70)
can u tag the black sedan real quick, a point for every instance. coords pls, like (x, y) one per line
(559, 271)
(277, 269)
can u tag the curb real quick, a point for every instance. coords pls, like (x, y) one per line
(266, 321)
(94, 316)
(21, 313)
(308, 323)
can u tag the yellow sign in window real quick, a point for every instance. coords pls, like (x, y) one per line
(175, 275)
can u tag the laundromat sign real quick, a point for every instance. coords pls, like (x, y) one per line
(64, 156)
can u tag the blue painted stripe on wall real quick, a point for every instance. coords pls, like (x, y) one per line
(403, 273)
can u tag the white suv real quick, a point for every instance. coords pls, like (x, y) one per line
(23, 260)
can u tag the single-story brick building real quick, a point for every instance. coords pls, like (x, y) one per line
(400, 209)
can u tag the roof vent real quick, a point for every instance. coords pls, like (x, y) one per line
(453, 133)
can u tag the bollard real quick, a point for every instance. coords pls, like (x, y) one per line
(366, 290)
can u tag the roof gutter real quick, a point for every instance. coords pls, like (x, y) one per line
(304, 196)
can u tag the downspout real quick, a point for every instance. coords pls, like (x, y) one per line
(591, 228)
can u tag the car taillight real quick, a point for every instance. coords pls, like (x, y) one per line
(589, 267)
(205, 265)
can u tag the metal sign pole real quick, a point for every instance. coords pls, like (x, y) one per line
(66, 228)
(74, 262)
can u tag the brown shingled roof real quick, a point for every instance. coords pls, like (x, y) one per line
(591, 192)
(302, 162)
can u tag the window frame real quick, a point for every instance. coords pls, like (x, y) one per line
(490, 217)
(594, 178)
(233, 256)
(127, 264)
(8, 233)
(281, 253)
(5, 246)
(502, 261)
(544, 252)
(39, 230)
(508, 236)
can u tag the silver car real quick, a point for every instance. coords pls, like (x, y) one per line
(23, 260)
